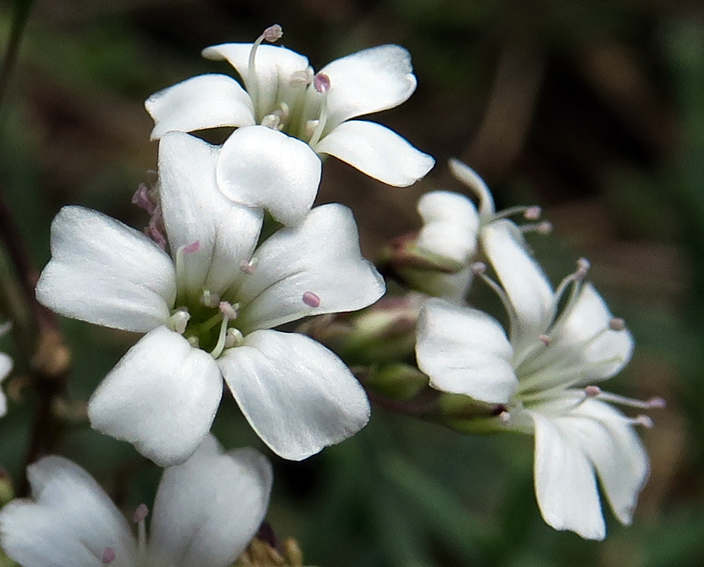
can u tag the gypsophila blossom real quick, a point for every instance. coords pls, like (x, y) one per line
(209, 308)
(541, 380)
(205, 513)
(286, 114)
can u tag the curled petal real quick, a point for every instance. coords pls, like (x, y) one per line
(261, 167)
(321, 257)
(162, 397)
(464, 351)
(377, 151)
(296, 394)
(528, 289)
(368, 81)
(106, 273)
(206, 101)
(209, 508)
(68, 522)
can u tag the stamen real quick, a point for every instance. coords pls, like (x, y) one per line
(179, 320)
(321, 82)
(653, 403)
(477, 268)
(270, 34)
(583, 266)
(592, 391)
(529, 213)
(301, 78)
(142, 200)
(108, 556)
(505, 418)
(194, 342)
(545, 340)
(233, 337)
(643, 420)
(311, 299)
(617, 324)
(138, 518)
(228, 310)
(249, 267)
(533, 213)
(209, 299)
(272, 121)
(544, 227)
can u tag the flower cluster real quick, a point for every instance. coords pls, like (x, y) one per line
(235, 253)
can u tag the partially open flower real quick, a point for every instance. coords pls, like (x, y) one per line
(286, 114)
(205, 513)
(541, 380)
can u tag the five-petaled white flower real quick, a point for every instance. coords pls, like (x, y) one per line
(542, 379)
(206, 512)
(209, 309)
(5, 369)
(288, 114)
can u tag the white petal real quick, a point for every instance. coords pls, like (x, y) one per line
(68, 522)
(274, 66)
(609, 440)
(208, 509)
(321, 256)
(565, 484)
(585, 330)
(368, 81)
(162, 397)
(450, 226)
(206, 101)
(261, 167)
(527, 287)
(464, 351)
(469, 177)
(106, 273)
(5, 369)
(377, 151)
(195, 210)
(296, 394)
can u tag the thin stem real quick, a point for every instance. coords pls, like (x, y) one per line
(19, 23)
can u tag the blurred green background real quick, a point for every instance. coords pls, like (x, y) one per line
(592, 109)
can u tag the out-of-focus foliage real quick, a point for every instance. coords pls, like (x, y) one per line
(593, 109)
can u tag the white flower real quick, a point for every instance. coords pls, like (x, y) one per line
(288, 114)
(451, 234)
(541, 381)
(205, 513)
(5, 369)
(208, 310)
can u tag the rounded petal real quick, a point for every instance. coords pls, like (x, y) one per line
(296, 394)
(106, 273)
(311, 269)
(528, 289)
(68, 522)
(162, 397)
(206, 101)
(209, 508)
(368, 81)
(261, 167)
(376, 151)
(464, 351)
(274, 66)
(565, 484)
(195, 210)
(450, 226)
(608, 439)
